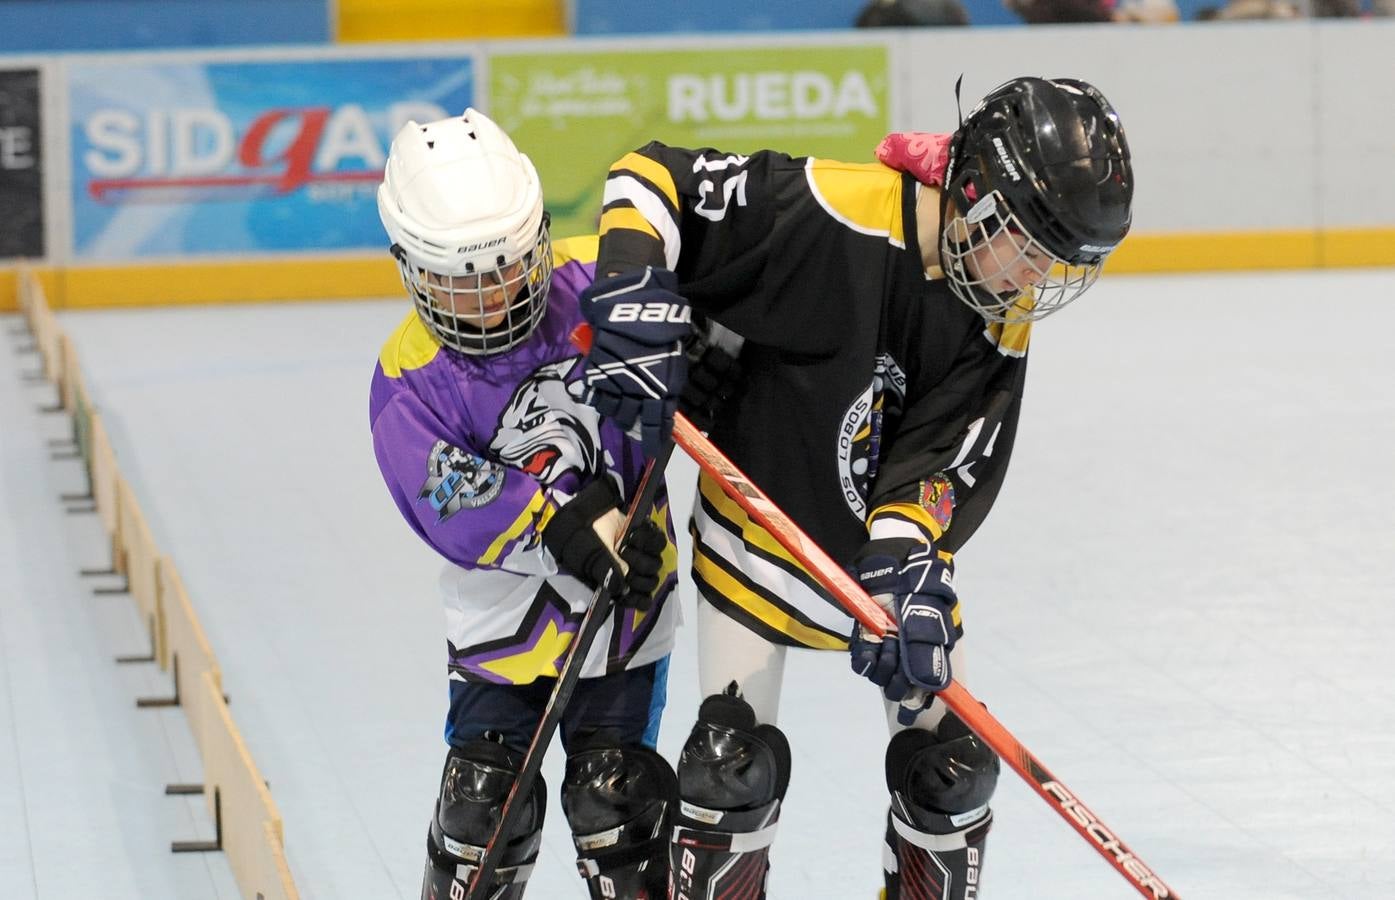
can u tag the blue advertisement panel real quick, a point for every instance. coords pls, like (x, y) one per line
(224, 158)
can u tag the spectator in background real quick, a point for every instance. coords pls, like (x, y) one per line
(1049, 12)
(1147, 11)
(1336, 9)
(1237, 10)
(1287, 9)
(908, 13)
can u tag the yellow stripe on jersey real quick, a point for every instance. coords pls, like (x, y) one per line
(411, 346)
(652, 171)
(710, 570)
(865, 197)
(669, 564)
(751, 532)
(1012, 338)
(915, 513)
(538, 662)
(627, 217)
(582, 248)
(537, 507)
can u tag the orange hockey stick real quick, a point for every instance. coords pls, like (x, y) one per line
(867, 611)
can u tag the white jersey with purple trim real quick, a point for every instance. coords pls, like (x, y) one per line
(478, 452)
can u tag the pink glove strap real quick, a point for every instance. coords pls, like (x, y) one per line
(923, 155)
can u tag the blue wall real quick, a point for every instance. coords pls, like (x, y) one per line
(36, 26)
(648, 16)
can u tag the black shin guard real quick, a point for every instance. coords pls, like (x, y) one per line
(732, 777)
(619, 801)
(940, 784)
(474, 785)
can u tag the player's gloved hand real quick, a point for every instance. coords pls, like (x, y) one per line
(714, 376)
(911, 582)
(581, 536)
(636, 366)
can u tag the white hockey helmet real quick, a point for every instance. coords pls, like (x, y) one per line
(464, 212)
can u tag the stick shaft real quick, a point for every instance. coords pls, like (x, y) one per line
(573, 662)
(870, 614)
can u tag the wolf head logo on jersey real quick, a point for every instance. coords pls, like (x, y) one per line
(546, 431)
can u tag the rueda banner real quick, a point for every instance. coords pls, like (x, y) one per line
(575, 113)
(175, 159)
(21, 165)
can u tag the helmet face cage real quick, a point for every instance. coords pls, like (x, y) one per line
(994, 265)
(489, 309)
(1037, 196)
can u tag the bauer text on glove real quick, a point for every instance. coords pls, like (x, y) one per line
(916, 586)
(636, 366)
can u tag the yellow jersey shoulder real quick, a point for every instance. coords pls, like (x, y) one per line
(409, 347)
(864, 197)
(582, 248)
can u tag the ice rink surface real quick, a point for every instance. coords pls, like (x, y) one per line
(1183, 604)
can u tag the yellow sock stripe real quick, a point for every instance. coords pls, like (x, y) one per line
(536, 507)
(651, 171)
(759, 607)
(751, 532)
(629, 218)
(912, 512)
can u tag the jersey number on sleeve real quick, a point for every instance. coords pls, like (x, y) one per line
(724, 182)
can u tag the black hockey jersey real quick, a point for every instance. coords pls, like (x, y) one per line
(874, 400)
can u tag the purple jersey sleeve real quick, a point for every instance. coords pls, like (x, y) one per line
(473, 511)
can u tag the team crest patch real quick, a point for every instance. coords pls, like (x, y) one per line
(857, 452)
(937, 499)
(458, 480)
(860, 433)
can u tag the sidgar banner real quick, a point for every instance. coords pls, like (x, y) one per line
(21, 165)
(575, 114)
(176, 159)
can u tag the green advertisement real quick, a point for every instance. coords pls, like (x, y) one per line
(575, 114)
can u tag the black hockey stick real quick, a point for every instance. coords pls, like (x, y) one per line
(591, 623)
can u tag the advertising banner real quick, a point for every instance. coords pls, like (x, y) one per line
(21, 165)
(176, 159)
(575, 114)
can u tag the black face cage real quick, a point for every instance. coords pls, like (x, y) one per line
(995, 265)
(487, 310)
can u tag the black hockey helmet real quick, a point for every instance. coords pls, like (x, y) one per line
(1053, 152)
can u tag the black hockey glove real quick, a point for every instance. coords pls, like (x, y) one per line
(636, 366)
(581, 535)
(917, 587)
(714, 376)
